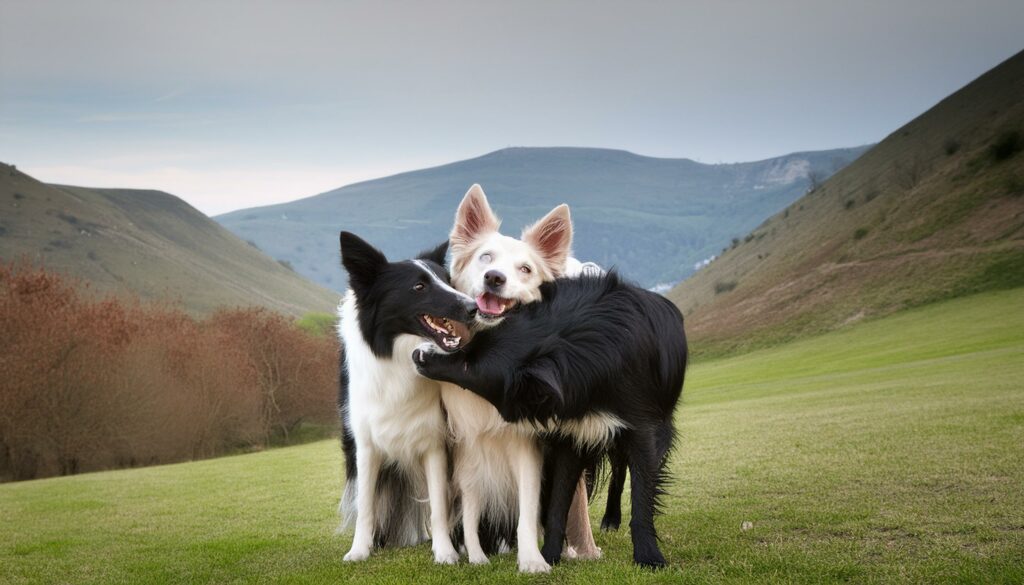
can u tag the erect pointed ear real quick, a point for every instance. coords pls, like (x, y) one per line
(362, 261)
(552, 238)
(473, 219)
(435, 255)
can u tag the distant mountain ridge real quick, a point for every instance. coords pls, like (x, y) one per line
(653, 217)
(148, 243)
(935, 210)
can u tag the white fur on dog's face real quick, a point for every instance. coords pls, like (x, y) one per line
(523, 268)
(478, 249)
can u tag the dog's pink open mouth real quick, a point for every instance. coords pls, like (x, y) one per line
(493, 305)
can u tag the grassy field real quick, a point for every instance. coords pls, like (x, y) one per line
(888, 452)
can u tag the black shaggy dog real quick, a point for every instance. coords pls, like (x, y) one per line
(597, 367)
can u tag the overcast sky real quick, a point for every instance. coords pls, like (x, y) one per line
(237, 104)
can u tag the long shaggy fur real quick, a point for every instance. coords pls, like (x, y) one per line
(393, 427)
(597, 349)
(498, 464)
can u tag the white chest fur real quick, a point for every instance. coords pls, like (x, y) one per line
(389, 403)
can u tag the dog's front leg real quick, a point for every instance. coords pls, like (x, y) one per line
(470, 492)
(367, 469)
(528, 468)
(436, 468)
(454, 369)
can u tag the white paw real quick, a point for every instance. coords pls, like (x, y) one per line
(448, 556)
(569, 552)
(534, 565)
(588, 554)
(358, 554)
(479, 559)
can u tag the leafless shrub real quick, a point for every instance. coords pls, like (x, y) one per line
(88, 385)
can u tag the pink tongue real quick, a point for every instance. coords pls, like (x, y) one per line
(488, 303)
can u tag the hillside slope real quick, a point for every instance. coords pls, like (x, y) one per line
(147, 242)
(933, 211)
(852, 460)
(653, 217)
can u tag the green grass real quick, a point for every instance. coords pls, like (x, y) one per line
(888, 452)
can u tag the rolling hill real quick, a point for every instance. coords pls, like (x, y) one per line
(936, 210)
(654, 217)
(147, 242)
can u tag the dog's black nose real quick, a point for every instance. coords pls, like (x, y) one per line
(494, 279)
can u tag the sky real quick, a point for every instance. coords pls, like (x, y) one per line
(238, 104)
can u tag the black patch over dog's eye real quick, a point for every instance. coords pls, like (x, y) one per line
(419, 286)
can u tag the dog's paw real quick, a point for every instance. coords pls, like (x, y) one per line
(447, 556)
(533, 565)
(479, 559)
(357, 554)
(423, 352)
(649, 559)
(583, 553)
(610, 522)
(433, 362)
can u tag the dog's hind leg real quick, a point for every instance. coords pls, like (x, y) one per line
(613, 508)
(368, 468)
(527, 463)
(436, 467)
(579, 535)
(645, 475)
(566, 472)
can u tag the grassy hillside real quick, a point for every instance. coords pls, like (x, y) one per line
(887, 452)
(147, 242)
(934, 211)
(654, 217)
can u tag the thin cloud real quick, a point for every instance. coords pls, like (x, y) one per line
(115, 117)
(170, 96)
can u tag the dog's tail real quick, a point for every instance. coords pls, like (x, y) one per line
(400, 517)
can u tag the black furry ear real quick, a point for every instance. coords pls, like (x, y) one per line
(362, 261)
(539, 395)
(436, 255)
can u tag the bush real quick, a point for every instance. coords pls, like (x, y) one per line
(859, 233)
(724, 286)
(951, 146)
(849, 204)
(319, 324)
(99, 384)
(1008, 144)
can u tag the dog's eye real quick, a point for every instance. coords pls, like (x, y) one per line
(486, 257)
(525, 269)
(419, 286)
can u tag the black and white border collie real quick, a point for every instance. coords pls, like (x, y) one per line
(594, 348)
(393, 427)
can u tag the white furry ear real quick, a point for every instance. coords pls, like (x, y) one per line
(552, 238)
(473, 219)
